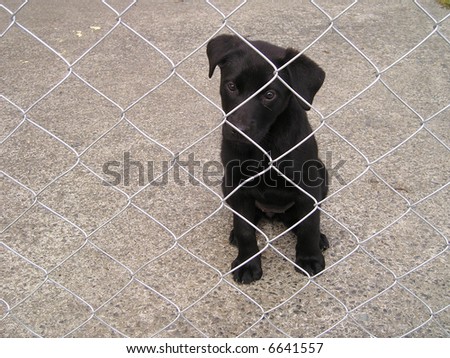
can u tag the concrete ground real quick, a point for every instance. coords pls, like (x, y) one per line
(87, 93)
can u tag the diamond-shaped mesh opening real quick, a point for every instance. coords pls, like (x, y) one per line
(70, 29)
(173, 26)
(408, 315)
(112, 215)
(434, 291)
(368, 219)
(124, 166)
(424, 167)
(353, 76)
(78, 123)
(133, 239)
(101, 271)
(40, 231)
(122, 80)
(30, 69)
(83, 199)
(160, 121)
(175, 190)
(179, 276)
(223, 312)
(423, 74)
(44, 311)
(208, 241)
(369, 29)
(138, 311)
(296, 318)
(384, 123)
(352, 287)
(251, 20)
(202, 161)
(42, 157)
(413, 240)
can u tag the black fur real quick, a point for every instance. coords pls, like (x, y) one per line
(276, 120)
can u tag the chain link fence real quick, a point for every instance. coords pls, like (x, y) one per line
(117, 91)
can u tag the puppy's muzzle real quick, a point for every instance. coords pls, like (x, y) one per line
(233, 132)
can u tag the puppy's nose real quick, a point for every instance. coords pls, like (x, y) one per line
(242, 124)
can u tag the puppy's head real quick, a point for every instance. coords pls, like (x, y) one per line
(244, 72)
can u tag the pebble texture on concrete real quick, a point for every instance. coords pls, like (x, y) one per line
(89, 86)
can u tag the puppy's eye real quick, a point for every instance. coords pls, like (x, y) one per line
(231, 86)
(270, 95)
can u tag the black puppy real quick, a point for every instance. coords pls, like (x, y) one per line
(275, 120)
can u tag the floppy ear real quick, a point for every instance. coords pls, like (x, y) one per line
(304, 76)
(218, 49)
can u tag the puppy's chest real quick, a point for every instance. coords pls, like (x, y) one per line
(272, 192)
(272, 200)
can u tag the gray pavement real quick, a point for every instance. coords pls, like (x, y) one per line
(85, 91)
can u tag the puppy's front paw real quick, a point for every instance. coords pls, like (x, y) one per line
(311, 264)
(249, 272)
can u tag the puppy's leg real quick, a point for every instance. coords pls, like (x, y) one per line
(324, 243)
(243, 235)
(310, 242)
(258, 216)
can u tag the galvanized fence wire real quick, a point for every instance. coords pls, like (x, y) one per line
(11, 304)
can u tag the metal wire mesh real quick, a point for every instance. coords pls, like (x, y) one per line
(90, 87)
